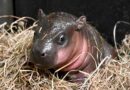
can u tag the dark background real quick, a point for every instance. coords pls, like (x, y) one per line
(103, 14)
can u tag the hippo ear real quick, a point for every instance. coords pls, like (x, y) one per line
(80, 22)
(41, 14)
(43, 21)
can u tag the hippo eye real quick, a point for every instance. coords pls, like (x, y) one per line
(62, 39)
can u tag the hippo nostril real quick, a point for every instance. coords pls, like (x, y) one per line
(43, 54)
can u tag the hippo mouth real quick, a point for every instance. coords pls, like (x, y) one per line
(74, 63)
(40, 62)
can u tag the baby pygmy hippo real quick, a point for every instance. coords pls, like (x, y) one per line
(62, 40)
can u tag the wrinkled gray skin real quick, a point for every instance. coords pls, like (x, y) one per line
(55, 31)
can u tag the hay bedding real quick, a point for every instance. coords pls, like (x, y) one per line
(17, 74)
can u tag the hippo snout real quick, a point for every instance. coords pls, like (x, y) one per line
(43, 56)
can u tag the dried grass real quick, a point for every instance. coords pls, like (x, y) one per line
(16, 73)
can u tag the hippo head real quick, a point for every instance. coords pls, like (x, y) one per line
(55, 39)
